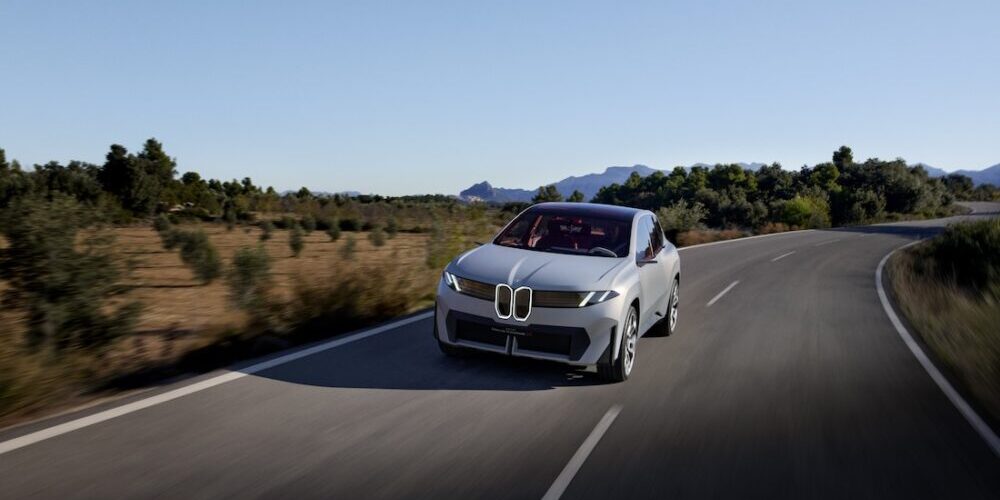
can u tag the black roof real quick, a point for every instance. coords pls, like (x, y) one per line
(597, 210)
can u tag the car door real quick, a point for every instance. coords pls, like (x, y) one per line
(653, 279)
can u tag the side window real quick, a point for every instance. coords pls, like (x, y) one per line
(643, 246)
(657, 237)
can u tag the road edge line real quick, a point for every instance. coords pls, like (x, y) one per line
(576, 461)
(118, 411)
(963, 407)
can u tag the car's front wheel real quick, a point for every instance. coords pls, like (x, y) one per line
(666, 326)
(619, 370)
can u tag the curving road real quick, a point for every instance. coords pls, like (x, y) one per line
(793, 383)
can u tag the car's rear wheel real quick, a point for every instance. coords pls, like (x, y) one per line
(620, 369)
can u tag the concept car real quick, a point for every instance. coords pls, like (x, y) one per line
(572, 282)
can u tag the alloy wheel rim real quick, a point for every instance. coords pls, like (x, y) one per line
(631, 340)
(674, 308)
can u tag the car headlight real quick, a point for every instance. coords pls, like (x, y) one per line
(451, 281)
(592, 298)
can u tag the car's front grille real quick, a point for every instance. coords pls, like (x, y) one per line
(546, 343)
(570, 342)
(479, 332)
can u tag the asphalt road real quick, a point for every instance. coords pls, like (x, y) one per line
(792, 384)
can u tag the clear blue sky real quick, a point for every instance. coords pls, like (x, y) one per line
(413, 97)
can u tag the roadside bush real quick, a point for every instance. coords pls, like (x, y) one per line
(392, 227)
(333, 232)
(347, 250)
(65, 287)
(681, 217)
(198, 253)
(286, 222)
(230, 218)
(699, 236)
(355, 298)
(350, 224)
(249, 280)
(949, 290)
(324, 223)
(161, 224)
(773, 227)
(806, 212)
(296, 242)
(308, 224)
(968, 254)
(267, 230)
(377, 236)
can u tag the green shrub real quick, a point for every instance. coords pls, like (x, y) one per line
(681, 217)
(806, 212)
(296, 241)
(162, 223)
(356, 297)
(333, 232)
(267, 230)
(392, 227)
(249, 280)
(967, 253)
(65, 287)
(230, 217)
(347, 250)
(324, 223)
(198, 253)
(308, 223)
(350, 224)
(377, 236)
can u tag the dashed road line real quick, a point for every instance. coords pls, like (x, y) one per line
(569, 472)
(782, 256)
(719, 296)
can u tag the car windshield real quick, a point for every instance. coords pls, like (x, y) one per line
(566, 233)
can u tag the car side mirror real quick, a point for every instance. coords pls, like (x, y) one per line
(642, 261)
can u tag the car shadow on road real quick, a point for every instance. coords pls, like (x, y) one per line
(409, 359)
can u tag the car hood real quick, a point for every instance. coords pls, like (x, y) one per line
(540, 270)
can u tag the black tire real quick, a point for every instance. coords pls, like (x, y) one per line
(668, 325)
(617, 371)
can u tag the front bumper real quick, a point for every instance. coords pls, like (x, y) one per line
(578, 336)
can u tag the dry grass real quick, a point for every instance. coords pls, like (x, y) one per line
(699, 236)
(961, 326)
(176, 301)
(189, 326)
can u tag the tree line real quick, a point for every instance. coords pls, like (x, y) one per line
(836, 193)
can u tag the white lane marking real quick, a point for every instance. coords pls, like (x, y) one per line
(956, 399)
(569, 472)
(827, 241)
(80, 423)
(782, 256)
(735, 240)
(719, 296)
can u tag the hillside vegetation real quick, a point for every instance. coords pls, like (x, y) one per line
(117, 273)
(949, 289)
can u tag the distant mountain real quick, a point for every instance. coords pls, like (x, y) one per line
(931, 171)
(484, 191)
(989, 175)
(588, 184)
